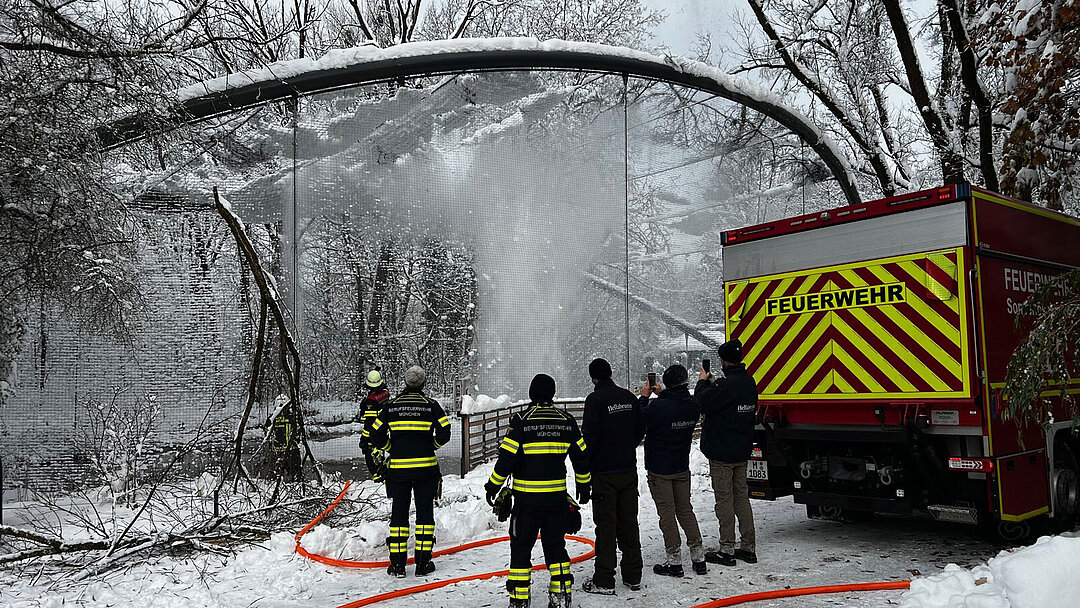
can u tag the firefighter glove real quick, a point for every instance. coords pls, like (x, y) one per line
(584, 492)
(492, 491)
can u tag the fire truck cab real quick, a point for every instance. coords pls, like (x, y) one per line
(879, 335)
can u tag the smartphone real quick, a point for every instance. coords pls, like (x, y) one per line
(705, 365)
(652, 378)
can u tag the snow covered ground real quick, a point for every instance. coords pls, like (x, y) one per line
(794, 552)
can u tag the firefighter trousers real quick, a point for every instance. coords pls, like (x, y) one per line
(549, 521)
(400, 492)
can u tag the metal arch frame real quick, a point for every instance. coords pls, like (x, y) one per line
(448, 60)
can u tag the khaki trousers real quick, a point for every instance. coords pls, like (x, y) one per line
(732, 500)
(671, 493)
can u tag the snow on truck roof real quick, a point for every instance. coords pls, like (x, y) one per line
(877, 208)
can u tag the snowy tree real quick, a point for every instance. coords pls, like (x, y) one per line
(1035, 47)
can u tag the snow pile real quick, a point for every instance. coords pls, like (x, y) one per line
(483, 403)
(1044, 575)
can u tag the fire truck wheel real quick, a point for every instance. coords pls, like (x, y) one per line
(1065, 484)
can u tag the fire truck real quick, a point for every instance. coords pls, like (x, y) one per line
(879, 335)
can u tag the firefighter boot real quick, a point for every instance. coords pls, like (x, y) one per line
(559, 600)
(519, 603)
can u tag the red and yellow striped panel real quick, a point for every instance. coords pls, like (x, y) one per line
(889, 328)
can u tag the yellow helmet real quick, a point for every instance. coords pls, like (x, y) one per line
(374, 379)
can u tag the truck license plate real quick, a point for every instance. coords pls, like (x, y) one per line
(757, 470)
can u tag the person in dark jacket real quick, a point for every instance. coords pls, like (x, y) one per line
(669, 422)
(729, 406)
(534, 454)
(409, 429)
(370, 407)
(613, 427)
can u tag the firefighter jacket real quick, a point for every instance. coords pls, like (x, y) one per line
(669, 429)
(729, 407)
(410, 428)
(369, 411)
(613, 428)
(534, 454)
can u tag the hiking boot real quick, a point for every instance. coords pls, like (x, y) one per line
(701, 568)
(519, 603)
(396, 570)
(559, 600)
(633, 586)
(674, 570)
(719, 557)
(425, 568)
(590, 587)
(747, 556)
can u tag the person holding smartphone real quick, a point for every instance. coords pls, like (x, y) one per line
(729, 407)
(669, 429)
(613, 427)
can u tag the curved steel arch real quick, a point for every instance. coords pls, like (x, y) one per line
(363, 65)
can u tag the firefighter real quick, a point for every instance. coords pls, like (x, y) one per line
(729, 407)
(613, 427)
(534, 454)
(409, 429)
(370, 407)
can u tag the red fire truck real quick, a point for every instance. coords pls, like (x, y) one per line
(879, 336)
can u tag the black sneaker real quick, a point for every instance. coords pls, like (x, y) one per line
(673, 570)
(590, 587)
(396, 571)
(633, 586)
(701, 568)
(719, 557)
(425, 568)
(747, 556)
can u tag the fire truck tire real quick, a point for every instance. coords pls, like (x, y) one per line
(1065, 484)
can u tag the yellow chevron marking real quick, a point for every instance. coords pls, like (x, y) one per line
(894, 345)
(931, 347)
(766, 338)
(804, 348)
(825, 384)
(879, 362)
(842, 383)
(812, 368)
(759, 290)
(853, 366)
(946, 328)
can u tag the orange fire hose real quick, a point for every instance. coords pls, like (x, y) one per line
(727, 601)
(367, 601)
(735, 600)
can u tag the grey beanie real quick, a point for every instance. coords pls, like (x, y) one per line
(415, 377)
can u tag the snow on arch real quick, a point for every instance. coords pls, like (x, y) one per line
(345, 68)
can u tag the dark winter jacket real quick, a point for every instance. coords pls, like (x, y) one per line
(729, 407)
(613, 427)
(370, 407)
(411, 427)
(534, 452)
(669, 422)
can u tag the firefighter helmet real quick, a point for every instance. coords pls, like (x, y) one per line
(374, 379)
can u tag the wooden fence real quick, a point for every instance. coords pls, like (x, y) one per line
(482, 432)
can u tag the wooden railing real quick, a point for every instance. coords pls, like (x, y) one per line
(482, 432)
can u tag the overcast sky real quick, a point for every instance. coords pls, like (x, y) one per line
(687, 18)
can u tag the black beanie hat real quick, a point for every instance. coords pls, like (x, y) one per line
(599, 369)
(542, 388)
(731, 351)
(675, 375)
